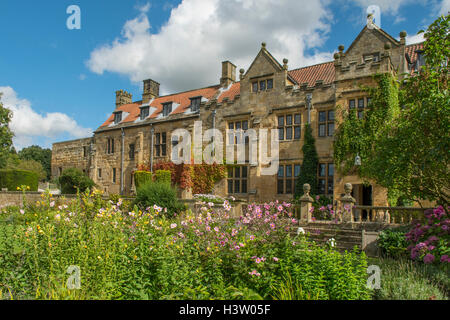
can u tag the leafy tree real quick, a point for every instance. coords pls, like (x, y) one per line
(73, 179)
(6, 134)
(308, 172)
(41, 155)
(405, 149)
(30, 165)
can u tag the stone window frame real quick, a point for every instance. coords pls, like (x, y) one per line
(356, 104)
(110, 146)
(262, 84)
(167, 109)
(85, 151)
(236, 179)
(160, 144)
(232, 125)
(326, 123)
(131, 151)
(283, 179)
(293, 126)
(114, 175)
(99, 173)
(327, 176)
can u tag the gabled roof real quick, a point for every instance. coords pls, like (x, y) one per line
(181, 102)
(323, 71)
(269, 57)
(377, 29)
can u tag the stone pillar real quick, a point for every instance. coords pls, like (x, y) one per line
(306, 204)
(347, 203)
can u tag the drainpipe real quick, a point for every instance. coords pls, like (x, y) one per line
(152, 131)
(308, 103)
(121, 162)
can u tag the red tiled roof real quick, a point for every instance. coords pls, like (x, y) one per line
(181, 103)
(411, 51)
(230, 93)
(323, 71)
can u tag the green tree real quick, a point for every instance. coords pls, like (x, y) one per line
(405, 149)
(308, 172)
(29, 165)
(41, 155)
(72, 180)
(6, 134)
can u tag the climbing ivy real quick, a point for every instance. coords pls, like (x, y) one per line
(308, 172)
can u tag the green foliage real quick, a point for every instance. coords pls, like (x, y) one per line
(405, 149)
(30, 165)
(12, 179)
(39, 154)
(308, 172)
(73, 180)
(161, 194)
(142, 177)
(392, 242)
(6, 134)
(163, 176)
(405, 280)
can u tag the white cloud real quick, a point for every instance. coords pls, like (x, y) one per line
(187, 51)
(387, 6)
(28, 125)
(415, 38)
(445, 7)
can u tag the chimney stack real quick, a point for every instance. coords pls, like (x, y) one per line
(151, 90)
(123, 97)
(228, 74)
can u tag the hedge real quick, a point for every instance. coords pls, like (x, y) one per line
(72, 180)
(163, 176)
(12, 179)
(141, 178)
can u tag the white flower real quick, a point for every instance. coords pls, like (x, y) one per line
(22, 211)
(52, 204)
(300, 230)
(332, 242)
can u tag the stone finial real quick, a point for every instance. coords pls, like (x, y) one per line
(285, 63)
(403, 35)
(336, 56)
(263, 45)
(241, 73)
(387, 46)
(341, 48)
(306, 190)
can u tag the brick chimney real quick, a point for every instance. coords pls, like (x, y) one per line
(228, 74)
(123, 97)
(151, 90)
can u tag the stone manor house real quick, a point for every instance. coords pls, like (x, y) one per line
(267, 95)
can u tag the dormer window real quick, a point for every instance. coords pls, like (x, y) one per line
(145, 111)
(420, 62)
(167, 108)
(262, 85)
(195, 104)
(374, 57)
(117, 117)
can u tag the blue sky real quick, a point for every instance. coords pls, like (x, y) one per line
(60, 83)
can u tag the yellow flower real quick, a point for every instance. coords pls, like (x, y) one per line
(18, 188)
(135, 257)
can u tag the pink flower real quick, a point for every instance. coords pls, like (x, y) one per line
(52, 204)
(275, 259)
(254, 273)
(216, 229)
(252, 237)
(173, 225)
(22, 211)
(429, 258)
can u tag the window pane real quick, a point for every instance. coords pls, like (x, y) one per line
(281, 171)
(288, 120)
(255, 86)
(368, 101)
(322, 170)
(330, 129)
(262, 85)
(281, 121)
(297, 132)
(289, 171)
(163, 136)
(331, 115)
(237, 186)
(238, 125)
(230, 172)
(245, 125)
(351, 103)
(330, 169)
(237, 172)
(157, 140)
(361, 103)
(269, 83)
(322, 116)
(297, 119)
(289, 186)
(158, 151)
(244, 172)
(280, 185)
(280, 133)
(288, 133)
(244, 186)
(296, 170)
(230, 186)
(231, 125)
(321, 186)
(322, 130)
(360, 114)
(163, 148)
(330, 187)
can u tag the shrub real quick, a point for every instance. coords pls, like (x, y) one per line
(73, 179)
(163, 176)
(142, 177)
(160, 194)
(430, 242)
(392, 242)
(12, 179)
